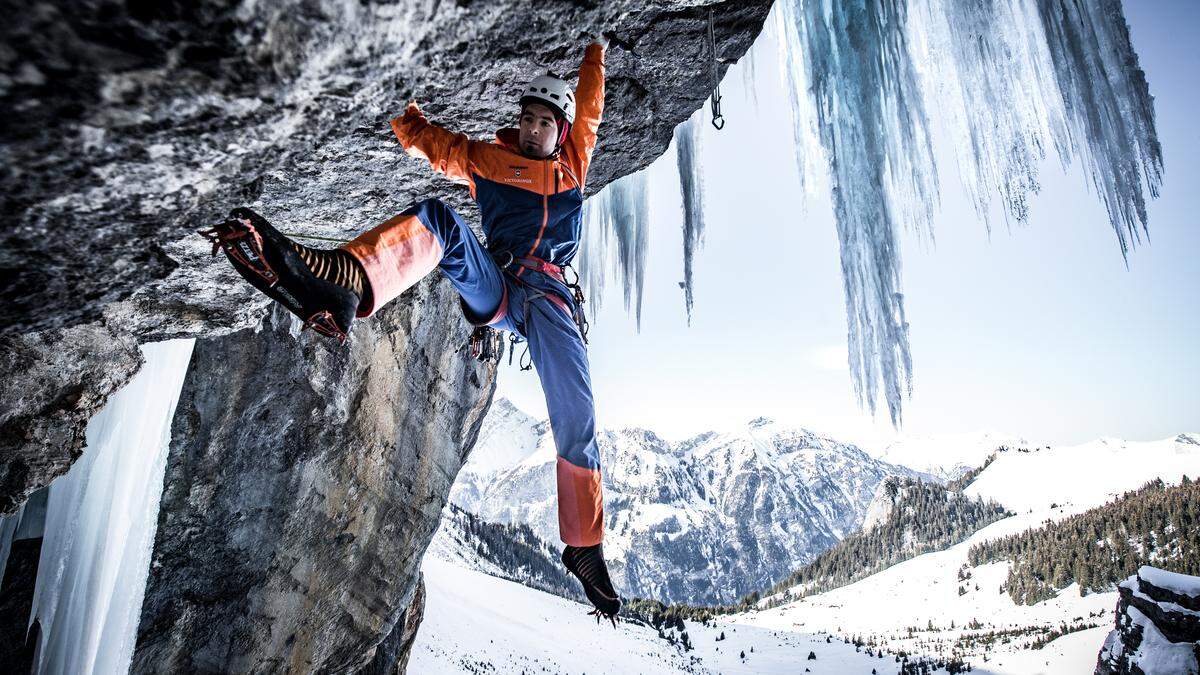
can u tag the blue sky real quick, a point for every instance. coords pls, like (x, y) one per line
(1039, 331)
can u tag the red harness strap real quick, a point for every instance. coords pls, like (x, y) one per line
(539, 265)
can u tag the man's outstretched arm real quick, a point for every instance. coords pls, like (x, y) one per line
(447, 152)
(589, 107)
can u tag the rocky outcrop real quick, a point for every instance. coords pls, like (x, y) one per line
(139, 122)
(888, 495)
(1157, 627)
(51, 383)
(303, 484)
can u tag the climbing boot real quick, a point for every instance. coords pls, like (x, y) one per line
(323, 288)
(587, 564)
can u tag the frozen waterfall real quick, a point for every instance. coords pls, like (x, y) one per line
(100, 523)
(1011, 77)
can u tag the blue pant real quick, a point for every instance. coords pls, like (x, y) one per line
(538, 308)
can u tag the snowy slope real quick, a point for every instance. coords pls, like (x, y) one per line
(708, 519)
(924, 590)
(475, 623)
(947, 456)
(1083, 476)
(510, 552)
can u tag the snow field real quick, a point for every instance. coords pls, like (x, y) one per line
(475, 623)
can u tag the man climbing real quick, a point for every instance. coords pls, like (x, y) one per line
(528, 184)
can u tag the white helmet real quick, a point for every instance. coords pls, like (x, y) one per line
(553, 92)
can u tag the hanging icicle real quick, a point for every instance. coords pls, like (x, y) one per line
(616, 220)
(691, 187)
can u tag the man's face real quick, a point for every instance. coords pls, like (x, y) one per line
(539, 130)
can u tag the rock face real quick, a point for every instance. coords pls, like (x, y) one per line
(705, 520)
(1157, 627)
(303, 485)
(131, 125)
(888, 495)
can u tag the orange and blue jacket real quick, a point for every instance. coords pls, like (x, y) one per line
(528, 207)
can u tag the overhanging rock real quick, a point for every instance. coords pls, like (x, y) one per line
(131, 125)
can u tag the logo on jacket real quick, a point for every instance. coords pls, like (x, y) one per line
(517, 169)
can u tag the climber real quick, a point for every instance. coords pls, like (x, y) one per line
(528, 184)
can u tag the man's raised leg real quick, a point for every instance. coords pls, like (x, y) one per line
(398, 253)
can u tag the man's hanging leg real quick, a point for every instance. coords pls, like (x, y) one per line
(398, 253)
(561, 361)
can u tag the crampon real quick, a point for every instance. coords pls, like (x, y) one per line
(265, 258)
(587, 564)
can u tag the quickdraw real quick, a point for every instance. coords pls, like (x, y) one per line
(717, 120)
(486, 345)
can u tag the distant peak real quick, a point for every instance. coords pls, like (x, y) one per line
(760, 422)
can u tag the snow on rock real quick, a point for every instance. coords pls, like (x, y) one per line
(708, 519)
(1174, 582)
(1157, 627)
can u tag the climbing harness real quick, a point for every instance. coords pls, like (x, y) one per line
(718, 120)
(505, 260)
(557, 272)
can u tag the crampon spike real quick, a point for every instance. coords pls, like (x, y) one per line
(610, 617)
(323, 323)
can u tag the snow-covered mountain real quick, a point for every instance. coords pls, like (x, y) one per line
(477, 623)
(705, 520)
(935, 605)
(507, 551)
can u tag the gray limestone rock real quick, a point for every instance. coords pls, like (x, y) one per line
(303, 484)
(1157, 628)
(51, 383)
(131, 125)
